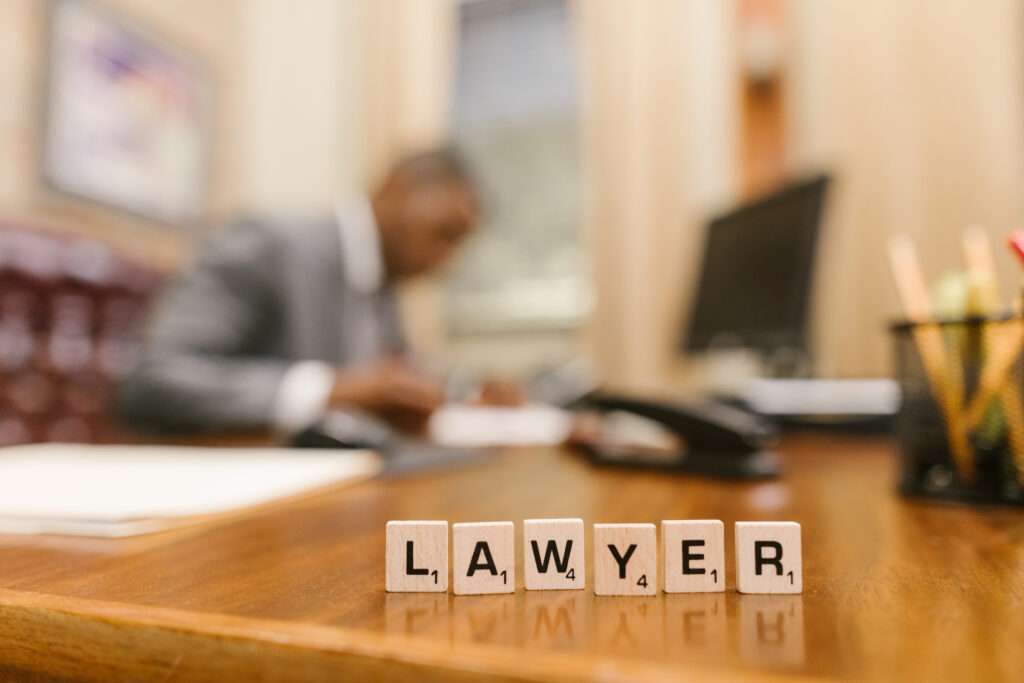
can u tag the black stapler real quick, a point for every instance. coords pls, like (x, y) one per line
(706, 438)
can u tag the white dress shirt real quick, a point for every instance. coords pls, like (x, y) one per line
(304, 392)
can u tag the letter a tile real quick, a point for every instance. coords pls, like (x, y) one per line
(483, 558)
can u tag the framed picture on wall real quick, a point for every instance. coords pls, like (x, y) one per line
(127, 116)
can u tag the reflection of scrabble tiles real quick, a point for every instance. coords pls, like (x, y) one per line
(417, 557)
(694, 553)
(553, 554)
(625, 559)
(483, 558)
(768, 557)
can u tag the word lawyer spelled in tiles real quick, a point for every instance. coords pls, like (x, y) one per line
(625, 557)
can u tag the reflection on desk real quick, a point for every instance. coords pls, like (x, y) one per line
(691, 627)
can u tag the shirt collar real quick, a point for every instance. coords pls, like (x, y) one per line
(360, 246)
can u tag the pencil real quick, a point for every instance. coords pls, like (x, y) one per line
(945, 377)
(1001, 342)
(1015, 242)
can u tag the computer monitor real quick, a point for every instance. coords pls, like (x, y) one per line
(755, 280)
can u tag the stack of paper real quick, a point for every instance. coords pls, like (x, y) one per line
(468, 426)
(128, 490)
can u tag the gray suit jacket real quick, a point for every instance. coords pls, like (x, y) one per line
(261, 296)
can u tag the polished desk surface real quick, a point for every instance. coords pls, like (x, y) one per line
(894, 589)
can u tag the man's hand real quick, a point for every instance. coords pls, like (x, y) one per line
(500, 392)
(391, 390)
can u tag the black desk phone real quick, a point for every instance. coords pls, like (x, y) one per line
(703, 437)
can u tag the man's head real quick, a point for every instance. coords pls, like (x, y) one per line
(425, 208)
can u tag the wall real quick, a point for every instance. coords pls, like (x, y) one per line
(918, 107)
(209, 29)
(302, 114)
(660, 123)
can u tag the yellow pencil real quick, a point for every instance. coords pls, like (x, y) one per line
(1001, 342)
(945, 376)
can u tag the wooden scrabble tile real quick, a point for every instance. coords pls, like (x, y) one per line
(553, 554)
(694, 555)
(483, 557)
(416, 557)
(768, 558)
(625, 559)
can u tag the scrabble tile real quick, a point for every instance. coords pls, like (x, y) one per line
(694, 555)
(483, 557)
(416, 557)
(625, 559)
(553, 554)
(768, 558)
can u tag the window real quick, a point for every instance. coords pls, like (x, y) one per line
(516, 117)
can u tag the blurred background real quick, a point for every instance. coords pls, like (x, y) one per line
(606, 134)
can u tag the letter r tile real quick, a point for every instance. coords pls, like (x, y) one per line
(768, 557)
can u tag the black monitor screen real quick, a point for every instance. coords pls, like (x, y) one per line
(755, 281)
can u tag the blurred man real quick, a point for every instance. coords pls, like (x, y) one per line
(280, 321)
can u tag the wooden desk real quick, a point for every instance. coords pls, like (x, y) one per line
(895, 590)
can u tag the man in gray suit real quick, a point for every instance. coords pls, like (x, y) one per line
(280, 321)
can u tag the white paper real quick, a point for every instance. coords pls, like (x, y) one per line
(823, 396)
(480, 426)
(92, 489)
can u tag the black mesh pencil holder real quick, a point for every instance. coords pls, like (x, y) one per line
(960, 426)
